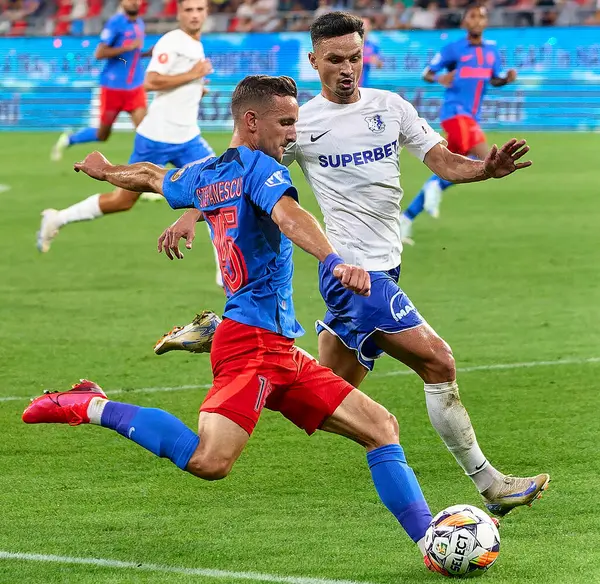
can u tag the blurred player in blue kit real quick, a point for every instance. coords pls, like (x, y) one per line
(169, 133)
(371, 55)
(471, 64)
(250, 204)
(122, 78)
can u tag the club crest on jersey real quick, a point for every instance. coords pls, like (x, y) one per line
(177, 175)
(376, 124)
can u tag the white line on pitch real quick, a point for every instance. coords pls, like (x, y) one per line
(4, 188)
(205, 572)
(501, 366)
(492, 367)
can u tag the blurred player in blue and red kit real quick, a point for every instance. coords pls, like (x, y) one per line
(371, 55)
(250, 204)
(471, 65)
(122, 78)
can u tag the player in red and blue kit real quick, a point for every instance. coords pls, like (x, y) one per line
(371, 55)
(471, 65)
(250, 204)
(122, 78)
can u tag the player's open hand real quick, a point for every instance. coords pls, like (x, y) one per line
(502, 162)
(353, 278)
(183, 228)
(94, 165)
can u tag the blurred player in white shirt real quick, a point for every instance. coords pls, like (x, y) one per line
(348, 141)
(169, 133)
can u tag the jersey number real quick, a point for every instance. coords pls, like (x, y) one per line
(264, 389)
(233, 266)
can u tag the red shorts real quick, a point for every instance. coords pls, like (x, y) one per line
(462, 133)
(254, 368)
(115, 101)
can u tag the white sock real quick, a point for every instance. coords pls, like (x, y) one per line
(421, 544)
(95, 409)
(83, 211)
(451, 421)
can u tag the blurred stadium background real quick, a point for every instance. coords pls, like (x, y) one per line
(48, 77)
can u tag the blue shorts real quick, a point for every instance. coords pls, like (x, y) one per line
(353, 318)
(161, 153)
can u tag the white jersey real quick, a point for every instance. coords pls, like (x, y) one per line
(349, 156)
(173, 115)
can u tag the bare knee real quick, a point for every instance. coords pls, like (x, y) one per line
(209, 469)
(441, 368)
(384, 430)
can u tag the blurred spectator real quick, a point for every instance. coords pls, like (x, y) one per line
(266, 18)
(78, 17)
(453, 17)
(323, 8)
(594, 19)
(525, 17)
(245, 16)
(394, 15)
(425, 18)
(78, 13)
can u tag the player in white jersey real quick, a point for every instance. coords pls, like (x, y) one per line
(348, 142)
(169, 133)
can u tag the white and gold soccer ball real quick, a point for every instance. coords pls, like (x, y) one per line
(461, 540)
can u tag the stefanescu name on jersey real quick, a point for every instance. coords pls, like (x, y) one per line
(359, 158)
(220, 192)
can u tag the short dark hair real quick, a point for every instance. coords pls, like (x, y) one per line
(335, 24)
(255, 89)
(474, 6)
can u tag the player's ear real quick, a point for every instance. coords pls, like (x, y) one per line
(250, 120)
(313, 60)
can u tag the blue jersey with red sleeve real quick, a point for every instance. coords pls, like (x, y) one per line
(475, 65)
(124, 71)
(236, 193)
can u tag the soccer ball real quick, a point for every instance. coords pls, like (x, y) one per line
(461, 540)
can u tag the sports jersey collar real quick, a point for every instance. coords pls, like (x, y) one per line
(342, 105)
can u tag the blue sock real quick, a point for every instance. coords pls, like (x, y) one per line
(416, 206)
(399, 489)
(156, 430)
(85, 135)
(418, 203)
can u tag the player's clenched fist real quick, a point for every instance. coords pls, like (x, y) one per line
(353, 278)
(94, 165)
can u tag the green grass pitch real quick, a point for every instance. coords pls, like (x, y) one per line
(509, 274)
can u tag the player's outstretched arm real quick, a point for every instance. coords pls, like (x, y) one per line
(140, 177)
(304, 230)
(499, 162)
